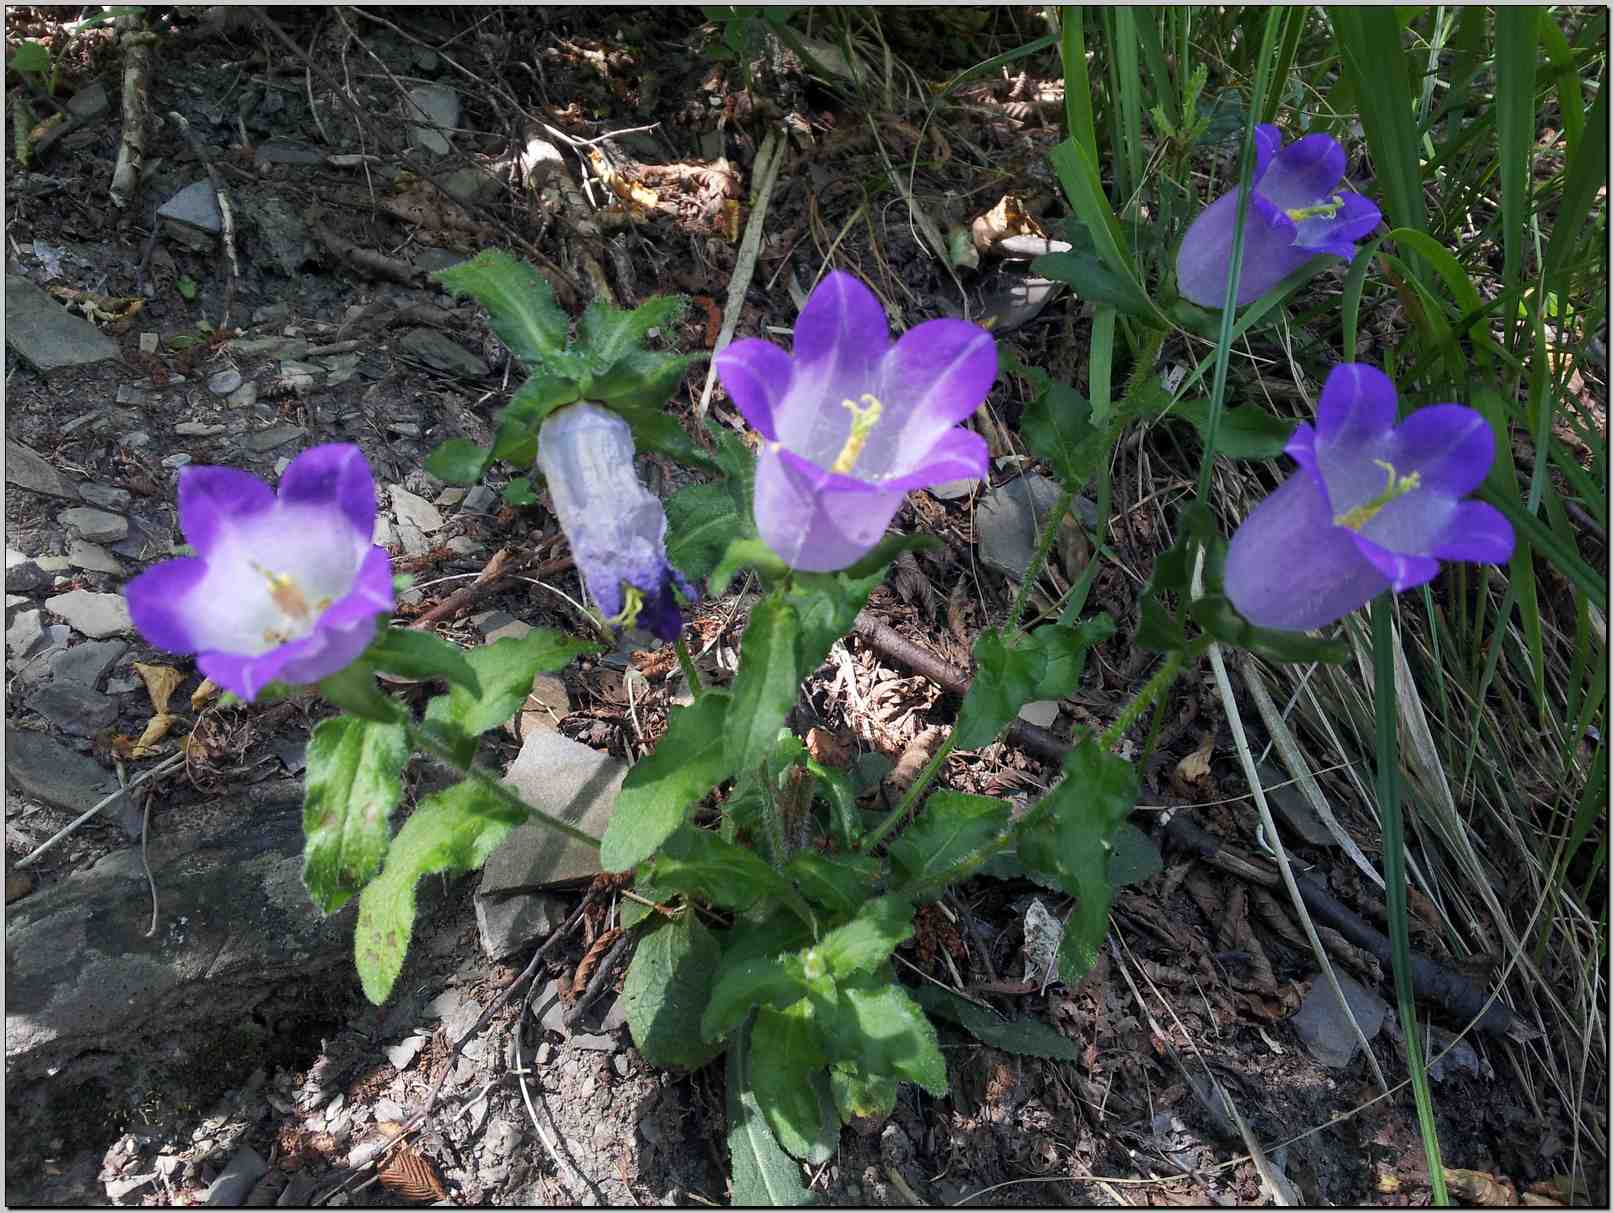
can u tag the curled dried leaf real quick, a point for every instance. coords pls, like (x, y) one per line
(161, 682)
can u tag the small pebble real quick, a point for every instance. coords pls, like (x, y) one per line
(243, 397)
(222, 383)
(148, 343)
(177, 460)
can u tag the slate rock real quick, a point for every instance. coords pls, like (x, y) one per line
(25, 635)
(44, 769)
(24, 576)
(237, 1179)
(1324, 1029)
(86, 663)
(438, 106)
(480, 500)
(98, 526)
(267, 440)
(48, 336)
(279, 231)
(565, 779)
(222, 383)
(442, 353)
(95, 615)
(90, 102)
(33, 670)
(195, 208)
(951, 490)
(75, 709)
(1007, 519)
(281, 151)
(1293, 807)
(415, 510)
(83, 977)
(105, 496)
(92, 557)
(508, 924)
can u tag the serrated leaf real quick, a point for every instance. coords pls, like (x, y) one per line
(642, 381)
(1070, 845)
(864, 943)
(698, 862)
(352, 785)
(701, 523)
(739, 554)
(519, 301)
(1026, 1037)
(665, 992)
(458, 461)
(688, 762)
(505, 671)
(827, 605)
(660, 432)
(606, 334)
(950, 826)
(1006, 677)
(775, 981)
(411, 653)
(869, 1096)
(787, 1077)
(1056, 426)
(767, 684)
(838, 883)
(762, 1174)
(1133, 857)
(451, 831)
(881, 1030)
(1245, 432)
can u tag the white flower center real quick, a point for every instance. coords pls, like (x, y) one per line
(1398, 486)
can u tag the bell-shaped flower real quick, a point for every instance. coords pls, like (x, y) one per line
(285, 587)
(1296, 210)
(1374, 506)
(853, 421)
(616, 527)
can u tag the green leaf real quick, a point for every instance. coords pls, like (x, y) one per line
(607, 335)
(739, 554)
(458, 461)
(887, 550)
(411, 653)
(1245, 432)
(1056, 426)
(665, 992)
(767, 684)
(701, 523)
(1091, 279)
(1046, 664)
(452, 831)
(534, 400)
(655, 797)
(187, 288)
(352, 785)
(827, 604)
(1133, 857)
(950, 826)
(787, 1076)
(775, 981)
(660, 432)
(761, 1173)
(834, 787)
(838, 883)
(353, 690)
(1026, 1037)
(31, 56)
(698, 862)
(868, 1096)
(865, 942)
(880, 1030)
(518, 492)
(505, 671)
(641, 382)
(519, 301)
(1070, 844)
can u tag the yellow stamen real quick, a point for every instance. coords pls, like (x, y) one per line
(1322, 210)
(632, 601)
(863, 420)
(1398, 486)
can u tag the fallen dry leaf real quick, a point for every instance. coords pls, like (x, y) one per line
(202, 694)
(161, 682)
(156, 729)
(1195, 768)
(1480, 1187)
(1007, 218)
(411, 1175)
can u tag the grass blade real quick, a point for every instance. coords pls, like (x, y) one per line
(1374, 60)
(1515, 42)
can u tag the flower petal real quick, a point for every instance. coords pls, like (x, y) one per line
(1304, 172)
(333, 474)
(816, 520)
(1268, 142)
(959, 455)
(842, 326)
(934, 377)
(1356, 219)
(756, 375)
(1205, 257)
(211, 499)
(1449, 446)
(1289, 567)
(371, 594)
(1403, 570)
(1357, 406)
(1477, 531)
(156, 599)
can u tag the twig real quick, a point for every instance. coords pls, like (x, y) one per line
(226, 215)
(597, 982)
(162, 768)
(366, 261)
(489, 579)
(145, 833)
(766, 168)
(137, 44)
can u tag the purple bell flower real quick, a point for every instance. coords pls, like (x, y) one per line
(616, 527)
(285, 587)
(1374, 506)
(853, 421)
(1296, 211)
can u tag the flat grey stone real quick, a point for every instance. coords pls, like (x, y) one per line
(95, 615)
(92, 557)
(86, 663)
(277, 230)
(89, 102)
(480, 500)
(194, 207)
(431, 106)
(198, 429)
(595, 1041)
(271, 313)
(13, 601)
(244, 396)
(34, 670)
(1286, 797)
(280, 151)
(237, 1179)
(496, 625)
(441, 352)
(222, 383)
(467, 185)
(951, 490)
(25, 635)
(1041, 712)
(1324, 1029)
(293, 754)
(75, 709)
(508, 924)
(47, 336)
(415, 510)
(1007, 518)
(1015, 300)
(98, 526)
(23, 576)
(265, 441)
(429, 260)
(105, 496)
(177, 460)
(132, 393)
(567, 780)
(44, 769)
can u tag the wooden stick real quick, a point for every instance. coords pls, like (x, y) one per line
(137, 44)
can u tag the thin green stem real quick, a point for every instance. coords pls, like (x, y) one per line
(1044, 545)
(1394, 877)
(423, 741)
(910, 798)
(686, 664)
